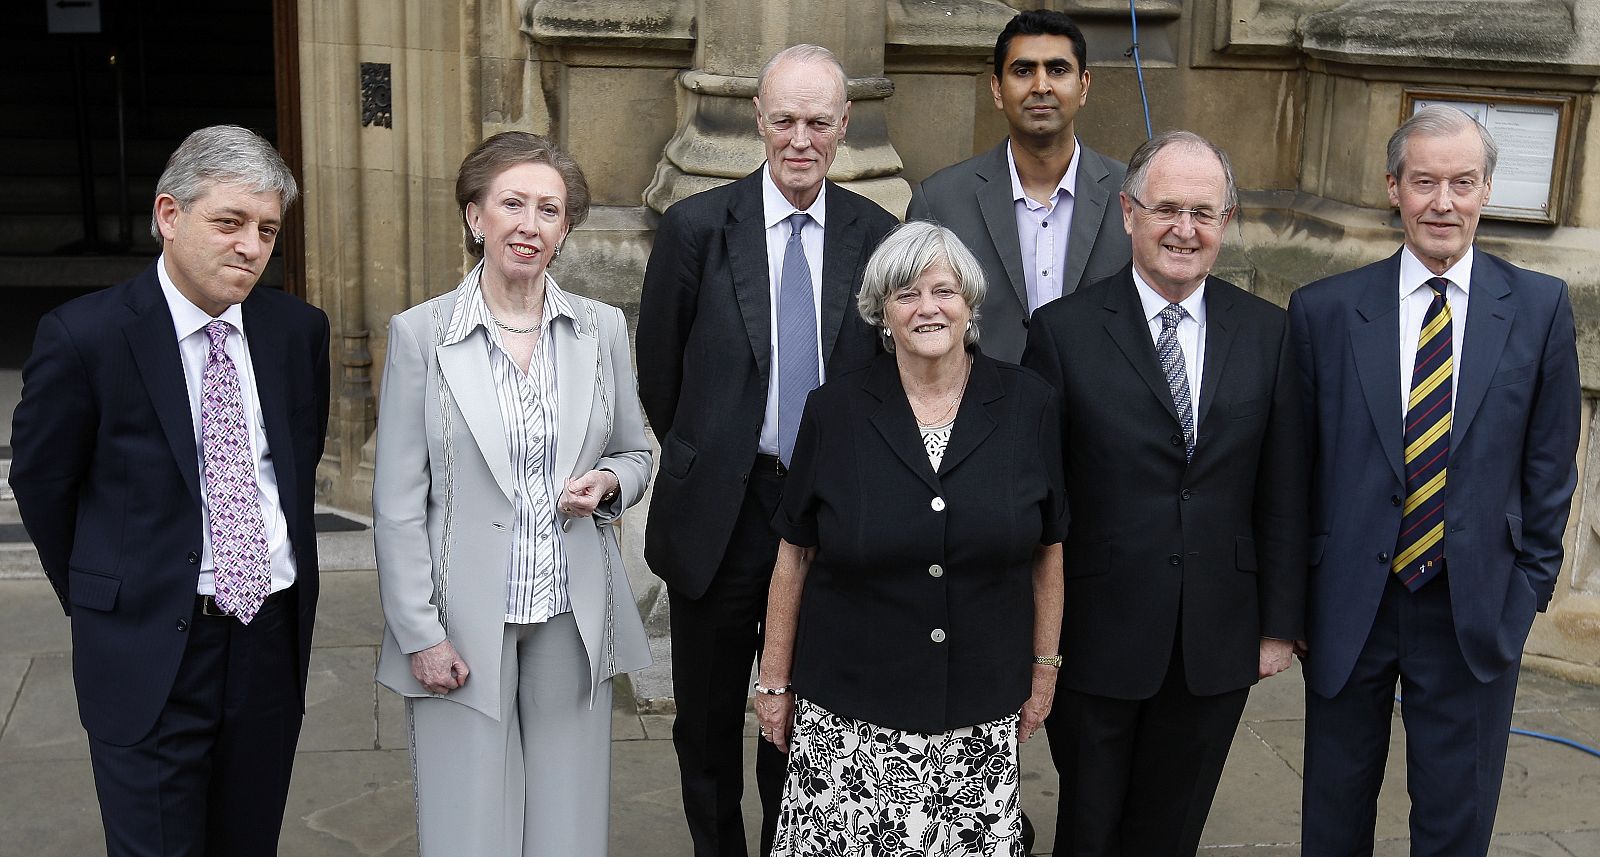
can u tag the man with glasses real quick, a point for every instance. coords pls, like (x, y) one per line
(1443, 391)
(1185, 560)
(1037, 211)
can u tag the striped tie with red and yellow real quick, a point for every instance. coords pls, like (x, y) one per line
(1419, 553)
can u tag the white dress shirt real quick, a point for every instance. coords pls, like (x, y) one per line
(1414, 299)
(1044, 230)
(189, 323)
(1191, 334)
(536, 570)
(775, 211)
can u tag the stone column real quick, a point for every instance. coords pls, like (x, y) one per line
(716, 139)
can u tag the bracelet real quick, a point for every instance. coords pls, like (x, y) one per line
(1048, 660)
(772, 691)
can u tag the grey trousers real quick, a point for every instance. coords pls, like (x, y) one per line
(535, 783)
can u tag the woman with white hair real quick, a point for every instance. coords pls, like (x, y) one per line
(915, 608)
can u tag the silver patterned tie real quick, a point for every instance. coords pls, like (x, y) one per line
(797, 338)
(1177, 373)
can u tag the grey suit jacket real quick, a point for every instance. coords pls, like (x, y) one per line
(1097, 245)
(442, 495)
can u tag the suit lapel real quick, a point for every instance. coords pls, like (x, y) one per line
(894, 421)
(999, 212)
(1127, 327)
(1375, 348)
(267, 353)
(466, 369)
(841, 251)
(1220, 331)
(974, 421)
(746, 241)
(576, 343)
(154, 344)
(1489, 318)
(1090, 195)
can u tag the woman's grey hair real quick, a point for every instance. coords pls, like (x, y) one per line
(228, 154)
(1438, 120)
(1139, 164)
(804, 54)
(902, 257)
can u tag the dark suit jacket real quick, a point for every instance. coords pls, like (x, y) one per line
(1215, 547)
(107, 479)
(1513, 445)
(704, 346)
(862, 492)
(973, 199)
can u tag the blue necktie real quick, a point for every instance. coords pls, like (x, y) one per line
(797, 338)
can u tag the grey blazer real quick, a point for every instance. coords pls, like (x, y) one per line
(442, 495)
(1097, 245)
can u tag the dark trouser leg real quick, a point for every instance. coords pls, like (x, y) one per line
(715, 639)
(212, 777)
(1456, 731)
(1091, 743)
(1347, 742)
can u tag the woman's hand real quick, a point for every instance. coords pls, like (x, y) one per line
(439, 669)
(582, 494)
(776, 715)
(1037, 708)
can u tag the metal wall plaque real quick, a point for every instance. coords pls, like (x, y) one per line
(1532, 133)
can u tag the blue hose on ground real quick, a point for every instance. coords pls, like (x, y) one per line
(1138, 67)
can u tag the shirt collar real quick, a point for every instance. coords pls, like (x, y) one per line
(472, 311)
(1069, 179)
(775, 206)
(1153, 303)
(186, 317)
(1414, 275)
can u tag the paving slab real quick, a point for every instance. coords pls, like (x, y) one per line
(31, 621)
(1540, 692)
(393, 733)
(1579, 843)
(345, 804)
(1258, 799)
(341, 700)
(348, 611)
(44, 723)
(1584, 726)
(12, 669)
(50, 809)
(1547, 786)
(1282, 697)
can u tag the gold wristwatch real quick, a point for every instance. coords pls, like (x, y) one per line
(1048, 660)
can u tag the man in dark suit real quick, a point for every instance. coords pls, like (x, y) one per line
(1037, 210)
(748, 304)
(1185, 557)
(165, 453)
(1443, 395)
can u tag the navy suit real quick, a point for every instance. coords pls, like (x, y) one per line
(107, 480)
(1455, 644)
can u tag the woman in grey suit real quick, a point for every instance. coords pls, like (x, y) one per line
(509, 440)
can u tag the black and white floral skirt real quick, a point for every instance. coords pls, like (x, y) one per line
(859, 790)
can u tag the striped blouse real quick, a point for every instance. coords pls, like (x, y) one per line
(536, 571)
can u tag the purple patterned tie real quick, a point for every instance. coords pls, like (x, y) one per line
(238, 536)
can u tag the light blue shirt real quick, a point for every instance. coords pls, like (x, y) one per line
(1044, 231)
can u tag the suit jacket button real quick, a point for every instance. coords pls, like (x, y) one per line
(194, 558)
(1176, 441)
(937, 504)
(1174, 560)
(183, 624)
(1383, 557)
(1394, 499)
(1185, 494)
(936, 570)
(937, 635)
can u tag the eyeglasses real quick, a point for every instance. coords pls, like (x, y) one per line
(1169, 215)
(1460, 188)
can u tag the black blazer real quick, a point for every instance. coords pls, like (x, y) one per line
(1512, 470)
(903, 552)
(1215, 546)
(704, 346)
(973, 199)
(107, 480)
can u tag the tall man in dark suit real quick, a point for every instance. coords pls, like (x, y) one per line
(748, 304)
(1037, 210)
(165, 452)
(1185, 556)
(1443, 392)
